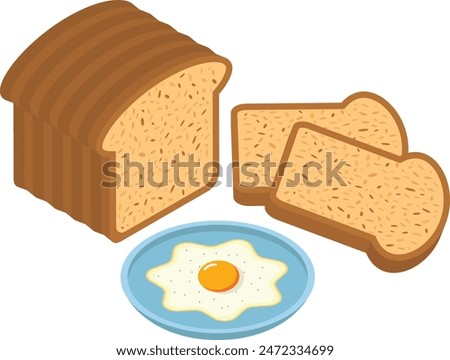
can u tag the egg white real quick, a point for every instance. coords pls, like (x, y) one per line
(178, 279)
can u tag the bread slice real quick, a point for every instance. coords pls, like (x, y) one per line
(261, 131)
(392, 207)
(116, 117)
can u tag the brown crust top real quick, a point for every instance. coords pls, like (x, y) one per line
(346, 234)
(85, 71)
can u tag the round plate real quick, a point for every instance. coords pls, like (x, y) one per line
(294, 286)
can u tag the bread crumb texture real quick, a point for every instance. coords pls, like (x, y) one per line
(266, 131)
(401, 204)
(175, 117)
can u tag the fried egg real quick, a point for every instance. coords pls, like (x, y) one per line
(220, 281)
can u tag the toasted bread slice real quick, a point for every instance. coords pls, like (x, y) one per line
(260, 133)
(392, 207)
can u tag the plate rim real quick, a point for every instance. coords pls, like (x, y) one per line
(205, 333)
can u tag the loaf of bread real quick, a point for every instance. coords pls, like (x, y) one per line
(107, 103)
(392, 207)
(260, 132)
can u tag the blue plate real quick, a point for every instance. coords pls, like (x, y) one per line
(146, 297)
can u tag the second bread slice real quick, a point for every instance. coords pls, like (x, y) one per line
(392, 207)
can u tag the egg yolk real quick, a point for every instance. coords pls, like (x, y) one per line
(218, 276)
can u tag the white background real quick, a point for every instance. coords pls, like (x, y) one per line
(61, 296)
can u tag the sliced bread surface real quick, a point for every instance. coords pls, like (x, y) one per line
(174, 121)
(392, 207)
